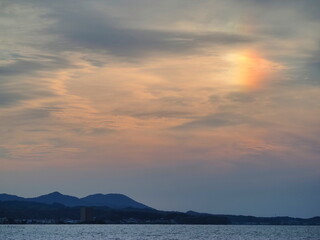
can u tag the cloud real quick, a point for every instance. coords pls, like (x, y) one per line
(154, 114)
(242, 96)
(20, 78)
(93, 131)
(90, 87)
(20, 67)
(11, 95)
(312, 68)
(217, 120)
(84, 27)
(125, 42)
(235, 97)
(33, 64)
(7, 98)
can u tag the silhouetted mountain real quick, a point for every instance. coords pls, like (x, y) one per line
(57, 197)
(113, 201)
(118, 208)
(116, 201)
(193, 213)
(252, 220)
(7, 197)
(32, 212)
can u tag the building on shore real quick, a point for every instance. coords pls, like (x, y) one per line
(86, 214)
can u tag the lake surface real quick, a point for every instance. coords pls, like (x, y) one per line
(162, 232)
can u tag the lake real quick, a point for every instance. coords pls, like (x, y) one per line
(162, 232)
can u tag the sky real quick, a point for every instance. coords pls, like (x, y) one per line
(207, 105)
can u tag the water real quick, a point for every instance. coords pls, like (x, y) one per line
(159, 232)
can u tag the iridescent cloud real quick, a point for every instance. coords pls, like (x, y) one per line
(164, 100)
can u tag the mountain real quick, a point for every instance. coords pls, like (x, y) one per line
(7, 197)
(12, 212)
(112, 200)
(116, 201)
(57, 197)
(118, 208)
(252, 220)
(33, 212)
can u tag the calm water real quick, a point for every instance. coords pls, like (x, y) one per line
(167, 232)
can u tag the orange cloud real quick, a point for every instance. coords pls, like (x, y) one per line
(250, 69)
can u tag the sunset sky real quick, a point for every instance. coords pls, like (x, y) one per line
(206, 105)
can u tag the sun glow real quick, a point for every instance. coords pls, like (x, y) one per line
(249, 69)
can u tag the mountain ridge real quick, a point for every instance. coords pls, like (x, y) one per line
(24, 212)
(111, 200)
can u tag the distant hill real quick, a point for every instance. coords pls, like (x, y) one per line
(25, 212)
(252, 220)
(116, 201)
(7, 197)
(12, 212)
(57, 197)
(112, 200)
(117, 209)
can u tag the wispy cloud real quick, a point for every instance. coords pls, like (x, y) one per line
(206, 91)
